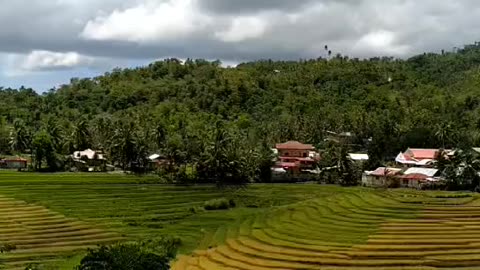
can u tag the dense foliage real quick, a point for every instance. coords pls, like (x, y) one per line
(219, 123)
(139, 256)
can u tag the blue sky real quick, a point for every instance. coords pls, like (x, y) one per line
(45, 43)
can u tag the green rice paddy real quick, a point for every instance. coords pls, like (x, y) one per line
(53, 219)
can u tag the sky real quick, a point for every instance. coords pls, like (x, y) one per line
(44, 43)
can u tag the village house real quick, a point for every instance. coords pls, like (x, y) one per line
(413, 177)
(157, 161)
(89, 160)
(381, 177)
(295, 157)
(416, 157)
(13, 163)
(416, 177)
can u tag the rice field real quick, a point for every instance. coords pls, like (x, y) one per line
(53, 219)
(355, 229)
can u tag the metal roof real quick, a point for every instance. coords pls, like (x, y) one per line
(154, 156)
(358, 157)
(425, 171)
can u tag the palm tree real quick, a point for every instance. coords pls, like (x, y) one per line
(20, 138)
(123, 143)
(56, 133)
(445, 133)
(80, 135)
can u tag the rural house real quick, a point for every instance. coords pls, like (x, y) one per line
(416, 157)
(89, 160)
(157, 161)
(13, 163)
(416, 177)
(294, 156)
(381, 177)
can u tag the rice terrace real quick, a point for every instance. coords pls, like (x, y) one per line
(52, 219)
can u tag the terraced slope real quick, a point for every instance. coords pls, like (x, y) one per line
(43, 235)
(361, 230)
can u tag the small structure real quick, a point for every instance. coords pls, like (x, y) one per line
(342, 137)
(381, 177)
(417, 157)
(157, 161)
(358, 157)
(416, 177)
(295, 157)
(89, 160)
(13, 163)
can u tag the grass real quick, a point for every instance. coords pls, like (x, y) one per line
(53, 218)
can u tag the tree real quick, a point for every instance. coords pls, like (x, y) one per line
(4, 136)
(43, 151)
(125, 256)
(80, 136)
(462, 171)
(20, 138)
(124, 147)
(153, 255)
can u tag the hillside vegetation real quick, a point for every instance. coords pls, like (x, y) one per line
(197, 113)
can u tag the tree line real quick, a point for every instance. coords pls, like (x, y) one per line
(213, 122)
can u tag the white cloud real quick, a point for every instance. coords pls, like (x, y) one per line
(243, 28)
(147, 22)
(383, 42)
(47, 60)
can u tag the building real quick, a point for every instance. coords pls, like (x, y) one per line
(157, 161)
(13, 163)
(295, 157)
(381, 177)
(416, 177)
(346, 138)
(394, 177)
(358, 157)
(417, 157)
(89, 160)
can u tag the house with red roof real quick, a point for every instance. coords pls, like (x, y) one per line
(381, 177)
(394, 177)
(294, 156)
(419, 157)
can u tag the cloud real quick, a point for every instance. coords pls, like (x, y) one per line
(46, 60)
(243, 28)
(147, 22)
(137, 31)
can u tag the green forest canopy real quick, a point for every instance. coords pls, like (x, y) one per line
(198, 111)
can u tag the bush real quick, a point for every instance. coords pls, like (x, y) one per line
(7, 248)
(139, 256)
(218, 204)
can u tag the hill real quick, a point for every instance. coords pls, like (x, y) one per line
(184, 110)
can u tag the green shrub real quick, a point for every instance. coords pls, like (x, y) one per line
(139, 256)
(7, 248)
(217, 204)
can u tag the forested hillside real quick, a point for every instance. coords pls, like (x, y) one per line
(199, 114)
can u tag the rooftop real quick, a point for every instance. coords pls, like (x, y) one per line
(294, 145)
(419, 153)
(382, 171)
(424, 171)
(358, 157)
